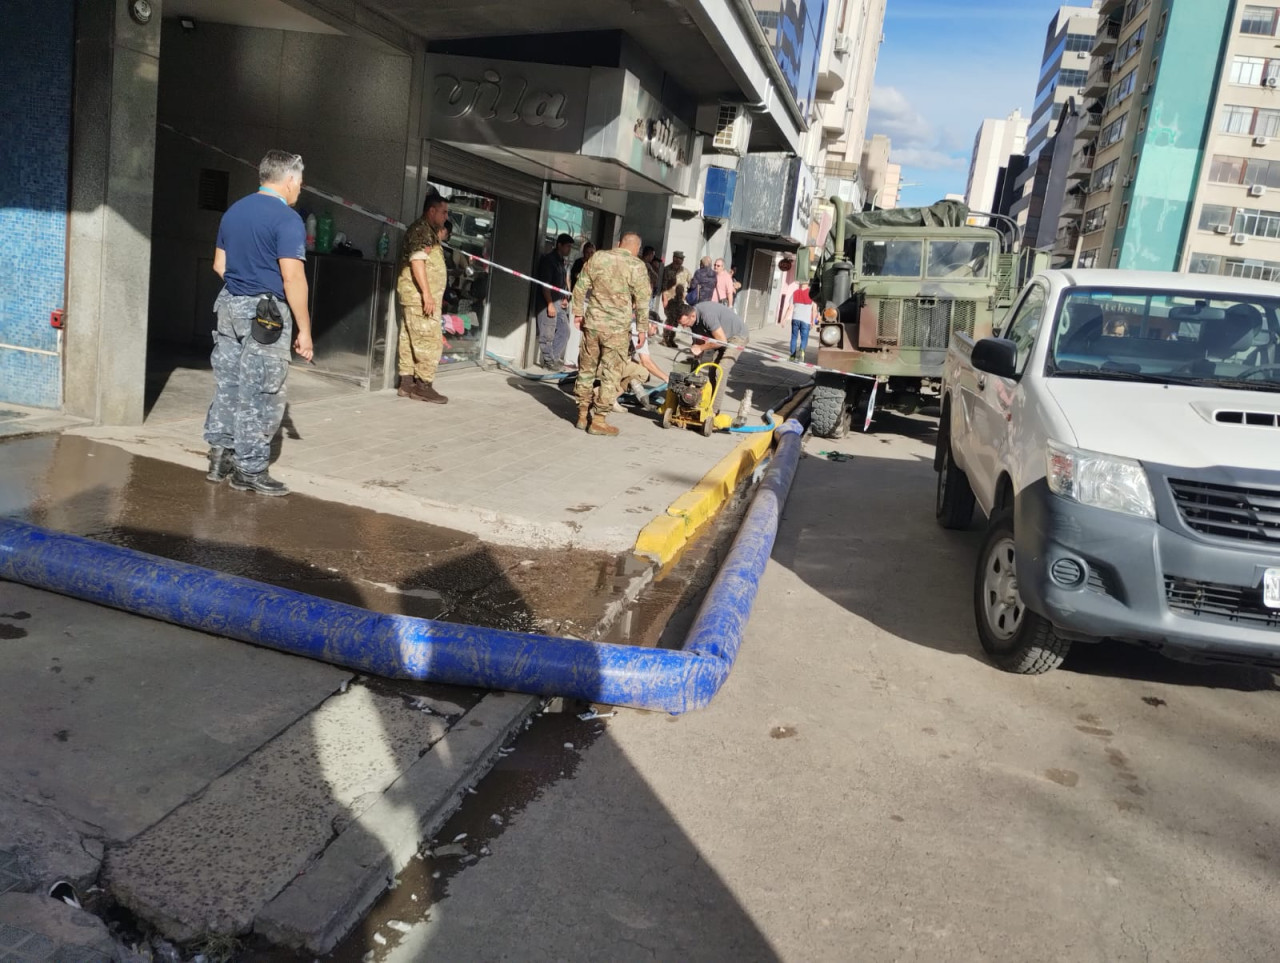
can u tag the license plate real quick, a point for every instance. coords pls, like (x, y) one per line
(1271, 588)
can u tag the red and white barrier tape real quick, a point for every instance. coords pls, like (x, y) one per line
(392, 222)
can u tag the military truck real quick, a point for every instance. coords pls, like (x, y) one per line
(891, 289)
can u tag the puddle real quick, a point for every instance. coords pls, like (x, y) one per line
(544, 759)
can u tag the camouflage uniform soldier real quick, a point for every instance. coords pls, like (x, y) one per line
(260, 255)
(420, 289)
(675, 286)
(619, 286)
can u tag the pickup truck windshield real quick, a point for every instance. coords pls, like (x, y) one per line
(1174, 337)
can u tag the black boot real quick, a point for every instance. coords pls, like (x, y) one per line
(262, 483)
(221, 463)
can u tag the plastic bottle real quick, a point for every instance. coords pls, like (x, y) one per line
(324, 234)
(311, 232)
(384, 245)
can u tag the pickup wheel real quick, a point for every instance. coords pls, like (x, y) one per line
(1015, 638)
(953, 506)
(828, 414)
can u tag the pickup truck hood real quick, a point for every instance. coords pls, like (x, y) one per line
(1172, 425)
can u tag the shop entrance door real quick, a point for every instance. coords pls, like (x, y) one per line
(473, 216)
(759, 290)
(584, 225)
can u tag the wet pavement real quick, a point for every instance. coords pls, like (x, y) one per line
(379, 561)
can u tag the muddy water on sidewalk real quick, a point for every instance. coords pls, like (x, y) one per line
(379, 561)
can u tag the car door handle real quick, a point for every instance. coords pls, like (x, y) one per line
(982, 382)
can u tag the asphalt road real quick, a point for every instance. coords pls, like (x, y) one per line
(867, 787)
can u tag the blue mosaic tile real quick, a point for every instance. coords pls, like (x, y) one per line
(36, 47)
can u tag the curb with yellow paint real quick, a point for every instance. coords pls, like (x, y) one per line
(667, 535)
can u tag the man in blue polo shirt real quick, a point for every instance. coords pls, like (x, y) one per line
(260, 256)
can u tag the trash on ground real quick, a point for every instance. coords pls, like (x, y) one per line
(343, 687)
(399, 926)
(379, 939)
(460, 837)
(568, 745)
(835, 455)
(452, 849)
(593, 714)
(496, 818)
(438, 707)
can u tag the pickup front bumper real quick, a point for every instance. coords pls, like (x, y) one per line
(1100, 574)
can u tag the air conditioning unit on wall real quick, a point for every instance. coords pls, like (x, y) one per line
(1222, 229)
(842, 43)
(1257, 190)
(1260, 141)
(1239, 238)
(731, 129)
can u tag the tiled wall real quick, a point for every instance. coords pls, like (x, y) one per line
(35, 127)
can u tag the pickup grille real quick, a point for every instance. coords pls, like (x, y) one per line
(1225, 511)
(923, 322)
(1214, 602)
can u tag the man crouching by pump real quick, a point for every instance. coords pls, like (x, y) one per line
(710, 323)
(260, 256)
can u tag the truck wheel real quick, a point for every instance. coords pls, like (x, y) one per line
(953, 506)
(827, 411)
(1015, 638)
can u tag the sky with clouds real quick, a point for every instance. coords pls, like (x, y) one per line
(944, 66)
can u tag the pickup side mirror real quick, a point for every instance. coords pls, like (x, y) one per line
(996, 356)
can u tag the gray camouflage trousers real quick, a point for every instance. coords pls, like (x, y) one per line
(248, 402)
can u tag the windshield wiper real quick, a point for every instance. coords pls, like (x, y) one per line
(1237, 384)
(1115, 374)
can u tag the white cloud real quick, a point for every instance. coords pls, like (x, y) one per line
(922, 158)
(893, 115)
(916, 142)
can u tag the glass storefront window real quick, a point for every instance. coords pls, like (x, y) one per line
(474, 217)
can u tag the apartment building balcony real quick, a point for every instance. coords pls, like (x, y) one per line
(1071, 210)
(832, 75)
(1099, 79)
(1107, 37)
(1090, 122)
(1081, 166)
(1064, 245)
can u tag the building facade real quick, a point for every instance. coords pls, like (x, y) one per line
(881, 178)
(129, 128)
(1064, 69)
(1181, 141)
(995, 142)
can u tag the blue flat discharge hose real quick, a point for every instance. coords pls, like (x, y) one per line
(402, 647)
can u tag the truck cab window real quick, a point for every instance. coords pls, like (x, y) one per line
(1025, 324)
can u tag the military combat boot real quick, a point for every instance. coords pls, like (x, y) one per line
(405, 388)
(599, 426)
(221, 463)
(583, 414)
(425, 391)
(262, 483)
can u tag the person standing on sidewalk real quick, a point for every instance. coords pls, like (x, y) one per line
(260, 254)
(420, 289)
(618, 284)
(801, 320)
(553, 319)
(675, 287)
(724, 290)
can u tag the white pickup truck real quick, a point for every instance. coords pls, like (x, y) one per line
(1122, 435)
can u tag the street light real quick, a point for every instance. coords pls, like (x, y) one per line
(875, 195)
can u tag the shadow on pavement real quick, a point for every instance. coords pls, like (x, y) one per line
(862, 532)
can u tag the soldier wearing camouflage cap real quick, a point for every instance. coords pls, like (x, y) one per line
(618, 283)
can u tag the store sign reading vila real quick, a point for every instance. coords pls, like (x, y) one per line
(662, 141)
(491, 99)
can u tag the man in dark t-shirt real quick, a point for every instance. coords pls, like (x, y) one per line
(553, 314)
(260, 255)
(719, 323)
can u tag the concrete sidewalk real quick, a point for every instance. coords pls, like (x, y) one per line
(502, 460)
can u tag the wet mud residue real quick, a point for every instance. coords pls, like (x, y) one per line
(378, 561)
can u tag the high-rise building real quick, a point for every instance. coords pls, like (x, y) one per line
(855, 30)
(1175, 156)
(881, 180)
(1064, 68)
(993, 145)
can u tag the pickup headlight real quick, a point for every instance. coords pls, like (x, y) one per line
(1102, 481)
